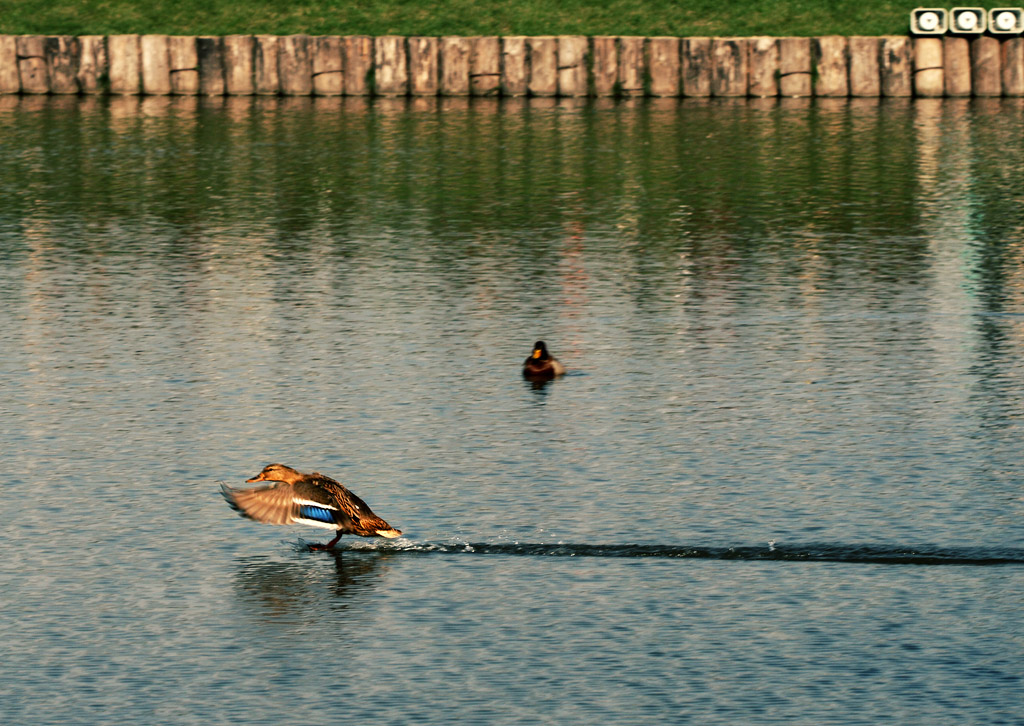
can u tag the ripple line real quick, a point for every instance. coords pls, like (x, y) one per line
(869, 554)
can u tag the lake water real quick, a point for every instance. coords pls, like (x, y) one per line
(780, 484)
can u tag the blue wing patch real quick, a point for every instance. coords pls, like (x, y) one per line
(318, 514)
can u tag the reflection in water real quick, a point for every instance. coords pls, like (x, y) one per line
(344, 165)
(539, 387)
(287, 592)
(681, 185)
(967, 166)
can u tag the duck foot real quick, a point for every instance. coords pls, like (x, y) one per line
(327, 546)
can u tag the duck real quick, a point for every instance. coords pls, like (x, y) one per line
(541, 365)
(312, 499)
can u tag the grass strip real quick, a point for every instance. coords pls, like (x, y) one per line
(457, 17)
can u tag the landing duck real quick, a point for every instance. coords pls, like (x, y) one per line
(312, 499)
(541, 365)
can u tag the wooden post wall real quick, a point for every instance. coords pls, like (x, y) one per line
(631, 65)
(604, 65)
(327, 66)
(10, 78)
(764, 67)
(514, 70)
(125, 64)
(423, 66)
(266, 79)
(830, 55)
(1012, 62)
(572, 65)
(956, 66)
(897, 66)
(358, 63)
(664, 64)
(93, 68)
(730, 61)
(455, 56)
(986, 66)
(32, 64)
(183, 60)
(795, 67)
(542, 55)
(865, 71)
(210, 53)
(156, 65)
(61, 58)
(238, 65)
(697, 67)
(390, 67)
(295, 65)
(929, 69)
(485, 66)
(566, 66)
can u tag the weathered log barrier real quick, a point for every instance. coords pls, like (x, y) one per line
(697, 64)
(423, 66)
(453, 66)
(795, 67)
(568, 66)
(485, 66)
(864, 58)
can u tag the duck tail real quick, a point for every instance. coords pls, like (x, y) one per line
(390, 532)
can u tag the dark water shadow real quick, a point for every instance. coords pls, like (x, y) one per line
(824, 552)
(541, 386)
(538, 386)
(290, 590)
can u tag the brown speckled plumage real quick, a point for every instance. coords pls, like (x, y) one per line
(313, 499)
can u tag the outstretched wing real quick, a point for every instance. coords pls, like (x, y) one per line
(279, 503)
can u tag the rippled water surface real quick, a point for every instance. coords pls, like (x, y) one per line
(781, 482)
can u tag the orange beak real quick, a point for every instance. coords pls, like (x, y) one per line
(258, 477)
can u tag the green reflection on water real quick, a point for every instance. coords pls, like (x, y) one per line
(657, 169)
(715, 180)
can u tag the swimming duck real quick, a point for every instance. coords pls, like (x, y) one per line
(313, 499)
(541, 365)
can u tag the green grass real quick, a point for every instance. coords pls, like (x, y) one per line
(457, 17)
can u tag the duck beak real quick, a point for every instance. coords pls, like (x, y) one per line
(258, 477)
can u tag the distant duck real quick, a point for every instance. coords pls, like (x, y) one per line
(541, 365)
(313, 499)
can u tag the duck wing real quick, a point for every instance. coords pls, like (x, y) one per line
(538, 369)
(282, 503)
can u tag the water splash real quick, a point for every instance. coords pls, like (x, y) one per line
(825, 552)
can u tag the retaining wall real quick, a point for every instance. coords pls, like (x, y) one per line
(568, 65)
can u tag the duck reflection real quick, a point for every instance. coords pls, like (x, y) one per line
(286, 591)
(538, 386)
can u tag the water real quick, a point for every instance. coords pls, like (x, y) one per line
(781, 482)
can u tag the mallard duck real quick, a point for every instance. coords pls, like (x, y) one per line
(541, 365)
(313, 499)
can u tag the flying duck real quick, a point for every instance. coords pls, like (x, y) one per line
(541, 365)
(313, 499)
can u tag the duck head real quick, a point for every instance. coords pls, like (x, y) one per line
(277, 472)
(540, 351)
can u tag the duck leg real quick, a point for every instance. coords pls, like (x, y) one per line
(328, 545)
